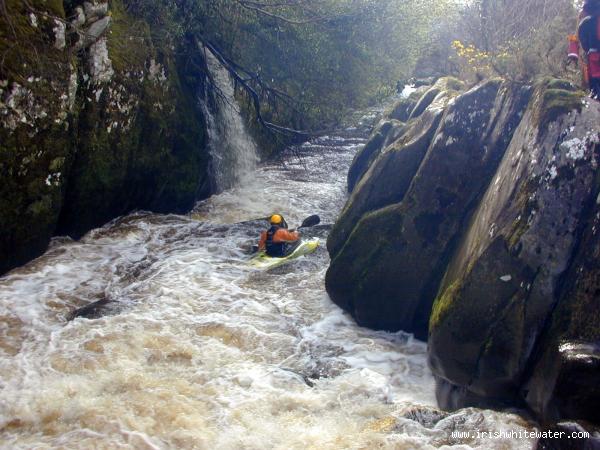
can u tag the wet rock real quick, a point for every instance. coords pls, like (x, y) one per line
(387, 264)
(99, 63)
(95, 10)
(428, 417)
(451, 397)
(79, 18)
(94, 310)
(93, 34)
(82, 136)
(384, 133)
(524, 279)
(577, 389)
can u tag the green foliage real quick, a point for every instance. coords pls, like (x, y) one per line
(518, 40)
(327, 55)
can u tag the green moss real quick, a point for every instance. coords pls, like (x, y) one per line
(556, 102)
(449, 84)
(555, 83)
(57, 164)
(29, 206)
(443, 303)
(41, 207)
(553, 99)
(156, 163)
(129, 41)
(27, 50)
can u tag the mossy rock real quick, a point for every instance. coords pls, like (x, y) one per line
(563, 384)
(447, 86)
(73, 162)
(388, 173)
(555, 98)
(520, 283)
(150, 157)
(403, 108)
(382, 136)
(35, 135)
(387, 272)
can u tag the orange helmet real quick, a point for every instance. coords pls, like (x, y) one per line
(278, 220)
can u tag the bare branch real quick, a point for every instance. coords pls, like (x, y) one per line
(239, 75)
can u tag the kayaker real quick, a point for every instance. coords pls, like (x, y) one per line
(277, 241)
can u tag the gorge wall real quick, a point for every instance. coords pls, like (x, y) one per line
(473, 222)
(99, 115)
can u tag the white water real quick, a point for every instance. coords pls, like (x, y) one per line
(199, 351)
(233, 153)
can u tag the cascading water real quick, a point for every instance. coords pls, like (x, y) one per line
(197, 350)
(233, 152)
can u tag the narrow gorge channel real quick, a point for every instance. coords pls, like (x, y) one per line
(191, 348)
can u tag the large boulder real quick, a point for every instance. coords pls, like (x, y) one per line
(35, 131)
(524, 265)
(445, 85)
(391, 246)
(86, 136)
(402, 108)
(566, 368)
(385, 132)
(383, 169)
(388, 178)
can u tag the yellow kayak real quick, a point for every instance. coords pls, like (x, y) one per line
(263, 261)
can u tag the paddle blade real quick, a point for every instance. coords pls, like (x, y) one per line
(311, 221)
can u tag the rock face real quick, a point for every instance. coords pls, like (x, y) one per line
(421, 190)
(495, 221)
(392, 155)
(86, 136)
(518, 269)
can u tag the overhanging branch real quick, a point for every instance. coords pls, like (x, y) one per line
(243, 78)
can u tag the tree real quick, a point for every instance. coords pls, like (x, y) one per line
(516, 39)
(303, 62)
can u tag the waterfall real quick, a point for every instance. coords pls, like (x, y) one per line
(233, 152)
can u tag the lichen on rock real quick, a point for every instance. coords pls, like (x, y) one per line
(498, 226)
(391, 244)
(527, 226)
(84, 139)
(100, 65)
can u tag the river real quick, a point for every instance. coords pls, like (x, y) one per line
(197, 350)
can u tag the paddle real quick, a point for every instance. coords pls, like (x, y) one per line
(311, 221)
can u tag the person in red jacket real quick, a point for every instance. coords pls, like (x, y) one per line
(588, 38)
(277, 241)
